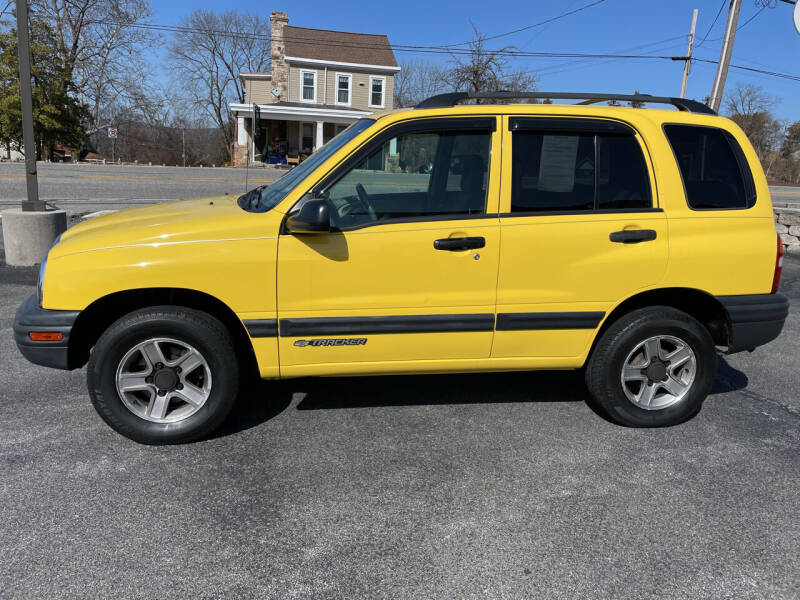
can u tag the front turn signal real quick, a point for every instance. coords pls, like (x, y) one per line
(46, 336)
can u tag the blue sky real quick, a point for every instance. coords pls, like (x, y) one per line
(768, 42)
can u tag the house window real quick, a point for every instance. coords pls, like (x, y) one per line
(376, 85)
(343, 89)
(308, 81)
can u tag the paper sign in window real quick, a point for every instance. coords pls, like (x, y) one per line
(557, 166)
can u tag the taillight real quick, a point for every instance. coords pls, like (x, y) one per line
(776, 278)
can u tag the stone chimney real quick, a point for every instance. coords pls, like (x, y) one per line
(280, 71)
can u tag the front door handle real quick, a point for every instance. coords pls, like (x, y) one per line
(633, 236)
(463, 243)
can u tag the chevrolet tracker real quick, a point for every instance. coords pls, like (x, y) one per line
(631, 243)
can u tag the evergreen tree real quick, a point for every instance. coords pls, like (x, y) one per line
(57, 115)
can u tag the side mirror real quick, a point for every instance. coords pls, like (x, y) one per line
(313, 217)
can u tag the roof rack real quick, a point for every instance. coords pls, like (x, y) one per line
(453, 98)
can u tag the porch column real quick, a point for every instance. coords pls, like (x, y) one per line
(319, 135)
(241, 131)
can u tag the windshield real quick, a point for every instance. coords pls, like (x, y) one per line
(264, 198)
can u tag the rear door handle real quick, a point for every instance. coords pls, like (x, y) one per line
(463, 243)
(633, 236)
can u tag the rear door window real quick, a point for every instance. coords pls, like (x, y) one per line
(578, 171)
(713, 167)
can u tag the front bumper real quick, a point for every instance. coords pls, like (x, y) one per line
(754, 319)
(30, 317)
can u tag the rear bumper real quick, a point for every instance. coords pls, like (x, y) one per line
(30, 317)
(754, 319)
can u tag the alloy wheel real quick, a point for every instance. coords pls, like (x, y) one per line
(163, 380)
(658, 372)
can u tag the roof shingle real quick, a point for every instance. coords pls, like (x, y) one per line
(338, 46)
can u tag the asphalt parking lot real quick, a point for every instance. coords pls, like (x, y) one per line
(460, 486)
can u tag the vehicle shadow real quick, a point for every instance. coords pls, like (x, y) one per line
(464, 388)
(729, 379)
(259, 401)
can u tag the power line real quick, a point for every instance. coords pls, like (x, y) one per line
(570, 65)
(743, 25)
(719, 12)
(539, 24)
(753, 69)
(401, 47)
(444, 49)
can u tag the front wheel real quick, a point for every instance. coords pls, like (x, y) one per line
(164, 375)
(653, 367)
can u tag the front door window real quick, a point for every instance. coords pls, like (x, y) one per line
(424, 174)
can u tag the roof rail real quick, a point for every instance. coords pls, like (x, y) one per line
(453, 98)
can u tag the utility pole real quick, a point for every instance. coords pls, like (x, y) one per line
(183, 138)
(687, 66)
(24, 56)
(725, 54)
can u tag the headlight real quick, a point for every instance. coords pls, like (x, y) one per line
(42, 268)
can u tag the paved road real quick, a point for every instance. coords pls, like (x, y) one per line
(785, 194)
(479, 486)
(83, 187)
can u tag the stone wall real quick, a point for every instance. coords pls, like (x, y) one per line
(787, 222)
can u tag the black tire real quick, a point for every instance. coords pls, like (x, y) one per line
(604, 369)
(197, 329)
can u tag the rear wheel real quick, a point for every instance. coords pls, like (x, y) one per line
(164, 375)
(653, 367)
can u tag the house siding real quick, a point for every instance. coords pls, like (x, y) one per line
(360, 82)
(258, 91)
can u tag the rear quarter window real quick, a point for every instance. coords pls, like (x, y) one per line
(715, 172)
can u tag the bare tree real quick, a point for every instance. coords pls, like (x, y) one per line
(207, 56)
(416, 81)
(747, 99)
(481, 69)
(100, 44)
(6, 14)
(751, 108)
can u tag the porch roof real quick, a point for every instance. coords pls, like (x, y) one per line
(297, 111)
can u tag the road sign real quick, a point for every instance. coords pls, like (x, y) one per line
(112, 132)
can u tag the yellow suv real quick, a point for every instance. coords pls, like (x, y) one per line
(627, 242)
